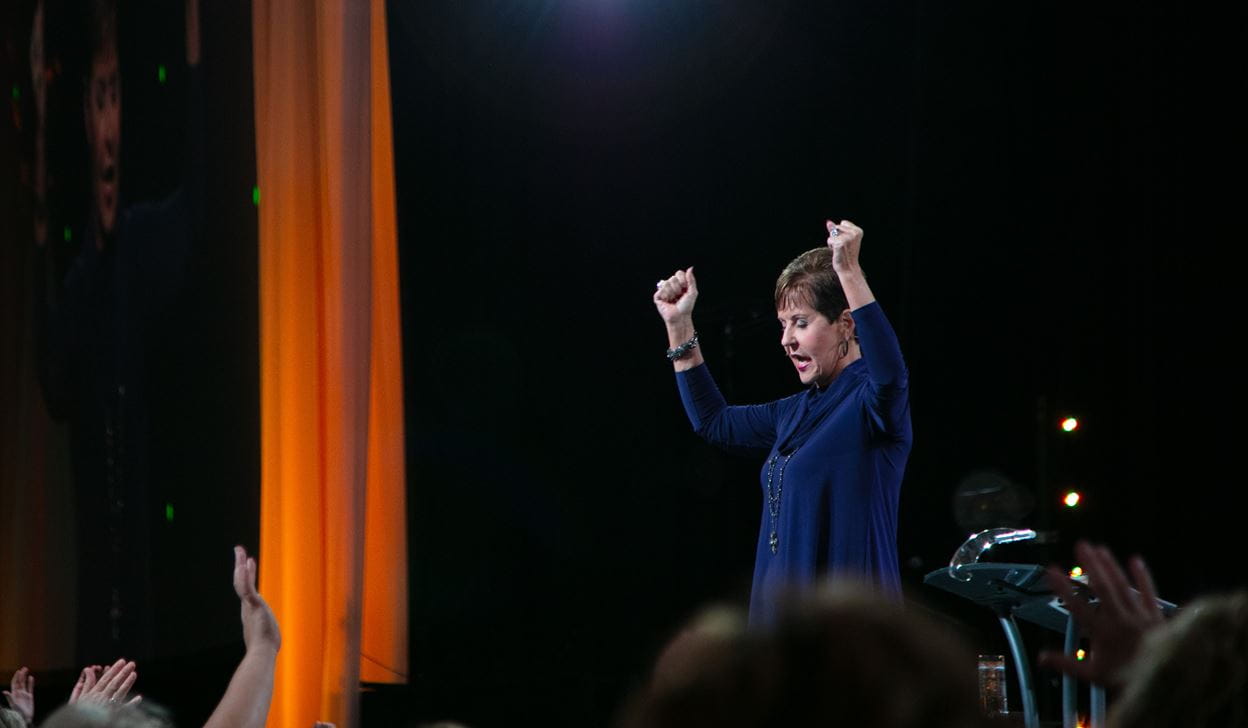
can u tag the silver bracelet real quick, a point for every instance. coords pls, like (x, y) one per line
(683, 350)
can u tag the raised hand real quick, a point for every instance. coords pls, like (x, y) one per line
(1118, 623)
(845, 240)
(111, 687)
(260, 630)
(86, 679)
(674, 297)
(21, 694)
(246, 700)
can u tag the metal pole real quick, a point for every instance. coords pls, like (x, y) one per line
(1098, 706)
(1030, 719)
(1070, 687)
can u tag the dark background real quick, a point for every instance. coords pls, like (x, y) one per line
(1050, 197)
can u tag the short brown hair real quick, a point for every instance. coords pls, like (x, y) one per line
(810, 278)
(1193, 672)
(842, 656)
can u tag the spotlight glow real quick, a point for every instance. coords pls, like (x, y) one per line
(1070, 424)
(1076, 572)
(1072, 499)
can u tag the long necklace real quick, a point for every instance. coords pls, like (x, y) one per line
(773, 496)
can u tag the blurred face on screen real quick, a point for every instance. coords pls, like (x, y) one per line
(103, 120)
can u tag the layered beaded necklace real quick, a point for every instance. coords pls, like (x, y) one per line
(773, 495)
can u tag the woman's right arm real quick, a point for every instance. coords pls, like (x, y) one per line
(708, 412)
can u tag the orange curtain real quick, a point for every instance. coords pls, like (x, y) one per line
(332, 473)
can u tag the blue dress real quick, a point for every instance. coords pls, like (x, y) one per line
(832, 476)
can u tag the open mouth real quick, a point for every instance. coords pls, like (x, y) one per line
(801, 362)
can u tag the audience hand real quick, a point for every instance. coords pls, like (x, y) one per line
(21, 694)
(109, 688)
(260, 630)
(246, 700)
(1117, 625)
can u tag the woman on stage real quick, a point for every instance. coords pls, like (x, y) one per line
(837, 450)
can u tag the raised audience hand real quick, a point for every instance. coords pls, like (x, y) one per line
(108, 688)
(86, 678)
(246, 700)
(1116, 625)
(21, 694)
(260, 630)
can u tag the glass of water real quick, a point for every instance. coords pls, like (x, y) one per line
(992, 698)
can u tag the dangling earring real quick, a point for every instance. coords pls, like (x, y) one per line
(844, 348)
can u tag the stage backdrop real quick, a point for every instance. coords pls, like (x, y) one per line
(199, 359)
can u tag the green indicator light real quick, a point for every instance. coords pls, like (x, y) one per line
(169, 512)
(69, 234)
(17, 92)
(255, 196)
(161, 73)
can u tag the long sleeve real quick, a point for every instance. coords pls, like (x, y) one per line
(887, 375)
(752, 426)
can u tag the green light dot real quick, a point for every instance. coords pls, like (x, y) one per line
(255, 196)
(69, 234)
(169, 512)
(17, 92)
(161, 73)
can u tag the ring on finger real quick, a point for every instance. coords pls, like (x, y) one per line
(834, 231)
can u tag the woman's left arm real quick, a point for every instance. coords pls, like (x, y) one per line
(882, 354)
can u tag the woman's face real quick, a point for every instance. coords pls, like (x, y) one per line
(812, 342)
